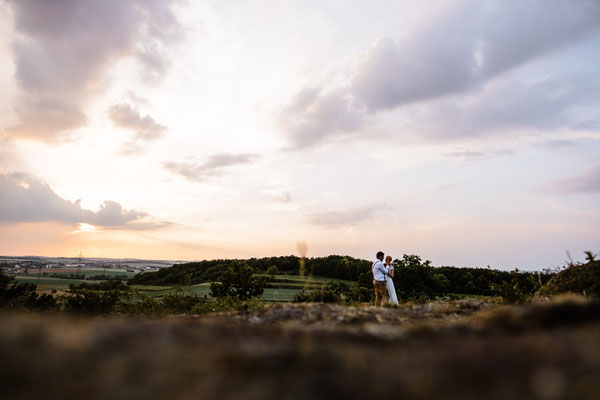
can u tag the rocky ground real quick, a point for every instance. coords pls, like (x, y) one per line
(454, 350)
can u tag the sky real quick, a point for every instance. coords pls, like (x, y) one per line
(467, 132)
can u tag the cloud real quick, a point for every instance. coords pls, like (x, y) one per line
(476, 155)
(146, 128)
(449, 61)
(278, 196)
(155, 64)
(314, 114)
(433, 62)
(556, 144)
(214, 166)
(467, 44)
(342, 218)
(587, 181)
(41, 117)
(508, 106)
(24, 198)
(63, 50)
(10, 159)
(467, 155)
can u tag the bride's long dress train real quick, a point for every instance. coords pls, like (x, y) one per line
(392, 291)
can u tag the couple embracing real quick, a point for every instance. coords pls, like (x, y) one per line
(383, 274)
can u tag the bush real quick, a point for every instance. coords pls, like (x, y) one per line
(181, 302)
(415, 280)
(91, 302)
(239, 281)
(335, 292)
(101, 286)
(146, 306)
(225, 304)
(272, 271)
(577, 278)
(517, 289)
(21, 295)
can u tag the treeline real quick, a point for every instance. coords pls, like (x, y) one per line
(336, 267)
(418, 280)
(414, 279)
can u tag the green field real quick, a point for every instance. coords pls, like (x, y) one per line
(278, 295)
(282, 290)
(312, 278)
(285, 286)
(83, 271)
(270, 294)
(44, 283)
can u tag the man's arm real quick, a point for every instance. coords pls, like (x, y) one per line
(382, 268)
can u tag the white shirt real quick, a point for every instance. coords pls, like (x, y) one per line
(379, 271)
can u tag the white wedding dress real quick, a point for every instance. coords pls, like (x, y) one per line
(390, 287)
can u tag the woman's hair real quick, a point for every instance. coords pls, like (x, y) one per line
(388, 258)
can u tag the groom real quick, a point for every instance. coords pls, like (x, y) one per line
(380, 273)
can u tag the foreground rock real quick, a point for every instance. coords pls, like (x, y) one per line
(462, 350)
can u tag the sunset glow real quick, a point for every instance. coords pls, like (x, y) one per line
(196, 130)
(83, 227)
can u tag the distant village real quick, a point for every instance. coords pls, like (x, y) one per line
(24, 265)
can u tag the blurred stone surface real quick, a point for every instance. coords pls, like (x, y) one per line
(454, 350)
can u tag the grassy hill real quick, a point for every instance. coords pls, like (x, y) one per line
(281, 289)
(415, 279)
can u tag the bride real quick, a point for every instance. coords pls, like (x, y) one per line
(390, 281)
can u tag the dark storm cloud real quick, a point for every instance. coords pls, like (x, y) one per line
(456, 54)
(213, 166)
(64, 48)
(24, 198)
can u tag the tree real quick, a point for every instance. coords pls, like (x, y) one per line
(239, 281)
(272, 271)
(91, 302)
(22, 295)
